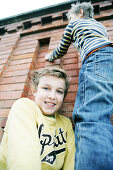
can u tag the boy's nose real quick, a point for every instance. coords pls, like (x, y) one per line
(52, 95)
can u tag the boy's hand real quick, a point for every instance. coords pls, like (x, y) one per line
(48, 56)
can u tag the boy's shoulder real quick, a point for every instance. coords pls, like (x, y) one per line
(25, 103)
(63, 119)
(65, 123)
(25, 100)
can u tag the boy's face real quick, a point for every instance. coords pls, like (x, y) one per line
(50, 94)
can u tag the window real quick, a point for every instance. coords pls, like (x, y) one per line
(27, 24)
(2, 31)
(46, 20)
(96, 9)
(44, 41)
(64, 17)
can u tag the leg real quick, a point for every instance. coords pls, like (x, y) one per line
(93, 111)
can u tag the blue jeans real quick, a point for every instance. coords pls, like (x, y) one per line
(92, 112)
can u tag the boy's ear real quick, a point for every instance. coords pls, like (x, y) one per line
(33, 90)
(34, 94)
(81, 13)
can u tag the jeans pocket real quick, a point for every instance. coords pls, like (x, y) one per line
(104, 66)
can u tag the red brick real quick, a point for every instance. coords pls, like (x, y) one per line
(70, 61)
(70, 66)
(8, 47)
(57, 15)
(53, 46)
(14, 79)
(104, 14)
(45, 46)
(22, 61)
(40, 60)
(1, 73)
(56, 41)
(1, 67)
(74, 80)
(44, 51)
(110, 33)
(3, 56)
(31, 97)
(72, 50)
(72, 73)
(70, 97)
(24, 94)
(25, 48)
(30, 92)
(55, 63)
(73, 88)
(40, 65)
(11, 87)
(79, 65)
(30, 50)
(35, 21)
(26, 89)
(4, 113)
(42, 55)
(111, 38)
(19, 67)
(28, 38)
(67, 114)
(73, 55)
(6, 103)
(16, 73)
(10, 95)
(23, 56)
(3, 61)
(7, 43)
(5, 52)
(3, 122)
(67, 107)
(26, 44)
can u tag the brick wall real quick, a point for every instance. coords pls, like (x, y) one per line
(23, 46)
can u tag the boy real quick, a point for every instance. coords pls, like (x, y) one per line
(36, 137)
(93, 110)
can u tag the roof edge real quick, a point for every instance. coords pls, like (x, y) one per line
(41, 11)
(36, 13)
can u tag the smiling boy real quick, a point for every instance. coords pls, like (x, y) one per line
(36, 137)
(50, 94)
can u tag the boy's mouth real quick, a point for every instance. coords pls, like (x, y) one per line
(50, 103)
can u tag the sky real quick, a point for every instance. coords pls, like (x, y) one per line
(9, 8)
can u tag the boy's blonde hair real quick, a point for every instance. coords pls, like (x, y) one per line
(53, 71)
(88, 10)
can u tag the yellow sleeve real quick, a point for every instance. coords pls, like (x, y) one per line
(69, 160)
(3, 152)
(23, 147)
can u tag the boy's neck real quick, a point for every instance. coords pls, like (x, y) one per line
(51, 116)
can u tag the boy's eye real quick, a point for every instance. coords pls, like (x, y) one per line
(45, 88)
(60, 91)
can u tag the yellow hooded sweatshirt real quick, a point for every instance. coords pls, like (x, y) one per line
(32, 141)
